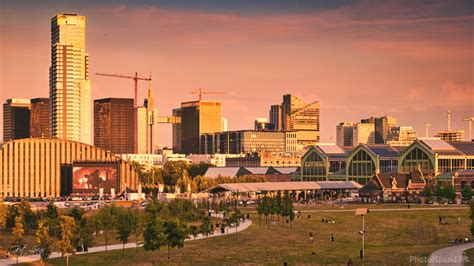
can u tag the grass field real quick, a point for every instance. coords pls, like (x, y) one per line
(391, 238)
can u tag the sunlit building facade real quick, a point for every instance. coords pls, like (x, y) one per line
(70, 91)
(36, 167)
(40, 123)
(324, 163)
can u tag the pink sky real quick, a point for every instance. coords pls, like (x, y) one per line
(413, 62)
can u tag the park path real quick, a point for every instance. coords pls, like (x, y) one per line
(32, 258)
(450, 256)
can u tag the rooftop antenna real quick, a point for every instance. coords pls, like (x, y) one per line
(449, 120)
(427, 129)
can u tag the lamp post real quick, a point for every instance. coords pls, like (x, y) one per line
(362, 212)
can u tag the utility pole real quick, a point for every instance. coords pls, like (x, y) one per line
(469, 122)
(362, 212)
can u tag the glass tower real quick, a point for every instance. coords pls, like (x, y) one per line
(70, 92)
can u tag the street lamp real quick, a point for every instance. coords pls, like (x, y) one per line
(362, 212)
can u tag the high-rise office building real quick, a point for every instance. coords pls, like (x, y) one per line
(363, 134)
(383, 125)
(276, 117)
(302, 117)
(113, 118)
(198, 117)
(70, 92)
(40, 123)
(177, 131)
(344, 133)
(224, 122)
(16, 119)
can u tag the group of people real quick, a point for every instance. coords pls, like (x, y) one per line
(329, 221)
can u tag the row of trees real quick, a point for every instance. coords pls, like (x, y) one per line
(447, 192)
(276, 205)
(159, 225)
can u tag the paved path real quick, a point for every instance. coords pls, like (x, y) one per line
(452, 256)
(243, 225)
(380, 210)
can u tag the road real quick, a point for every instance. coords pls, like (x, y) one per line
(243, 225)
(450, 256)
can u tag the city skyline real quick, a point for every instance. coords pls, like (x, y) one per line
(419, 70)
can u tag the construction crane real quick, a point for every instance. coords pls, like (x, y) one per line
(427, 128)
(135, 78)
(302, 108)
(200, 92)
(469, 121)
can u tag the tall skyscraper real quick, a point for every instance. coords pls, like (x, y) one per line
(16, 119)
(302, 117)
(275, 117)
(344, 133)
(40, 123)
(383, 125)
(113, 118)
(198, 117)
(177, 131)
(70, 92)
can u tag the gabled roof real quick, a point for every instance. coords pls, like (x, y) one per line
(286, 170)
(386, 179)
(383, 150)
(283, 186)
(440, 147)
(466, 147)
(214, 172)
(257, 170)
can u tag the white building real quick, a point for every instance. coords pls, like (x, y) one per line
(70, 90)
(147, 160)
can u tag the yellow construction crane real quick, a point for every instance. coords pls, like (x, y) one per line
(200, 92)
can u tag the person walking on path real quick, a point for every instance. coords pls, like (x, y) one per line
(332, 237)
(311, 239)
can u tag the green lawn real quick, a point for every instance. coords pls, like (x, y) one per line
(391, 238)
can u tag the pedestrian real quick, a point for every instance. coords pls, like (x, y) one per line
(440, 220)
(332, 237)
(311, 239)
(248, 216)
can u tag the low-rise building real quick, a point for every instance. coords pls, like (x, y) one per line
(147, 160)
(267, 159)
(393, 187)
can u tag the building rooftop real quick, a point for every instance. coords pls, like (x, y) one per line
(283, 186)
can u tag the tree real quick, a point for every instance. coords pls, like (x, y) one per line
(466, 192)
(198, 169)
(278, 204)
(175, 233)
(45, 242)
(125, 224)
(18, 246)
(153, 236)
(30, 220)
(105, 221)
(86, 229)
(471, 205)
(3, 216)
(205, 228)
(51, 216)
(428, 191)
(12, 213)
(139, 225)
(194, 230)
(449, 192)
(287, 208)
(65, 244)
(76, 213)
